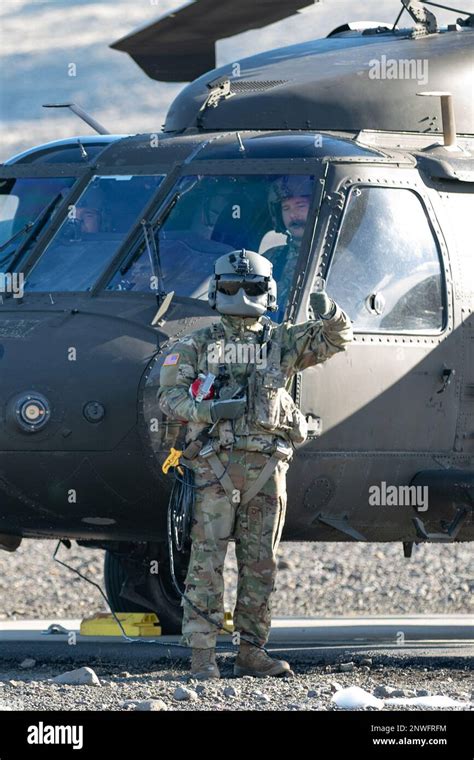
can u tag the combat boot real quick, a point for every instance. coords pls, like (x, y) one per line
(252, 661)
(203, 664)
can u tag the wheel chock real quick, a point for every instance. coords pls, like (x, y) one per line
(228, 624)
(134, 624)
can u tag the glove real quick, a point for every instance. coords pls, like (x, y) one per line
(229, 409)
(321, 304)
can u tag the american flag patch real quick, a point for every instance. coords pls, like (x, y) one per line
(171, 360)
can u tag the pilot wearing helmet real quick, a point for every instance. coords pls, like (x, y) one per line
(89, 212)
(228, 382)
(289, 202)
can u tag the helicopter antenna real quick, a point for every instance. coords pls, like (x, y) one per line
(83, 150)
(241, 145)
(96, 126)
(425, 20)
(447, 115)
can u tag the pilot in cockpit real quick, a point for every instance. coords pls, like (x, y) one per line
(89, 213)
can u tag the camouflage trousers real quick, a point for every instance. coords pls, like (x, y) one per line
(255, 527)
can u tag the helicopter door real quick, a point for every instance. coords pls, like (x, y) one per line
(393, 389)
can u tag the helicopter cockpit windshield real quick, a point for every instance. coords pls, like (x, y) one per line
(209, 215)
(27, 205)
(91, 234)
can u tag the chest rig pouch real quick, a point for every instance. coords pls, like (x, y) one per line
(225, 388)
(271, 407)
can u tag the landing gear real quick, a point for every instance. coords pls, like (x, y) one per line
(132, 585)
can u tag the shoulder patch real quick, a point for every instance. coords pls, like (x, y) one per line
(171, 360)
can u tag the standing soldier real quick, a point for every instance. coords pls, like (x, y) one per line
(242, 424)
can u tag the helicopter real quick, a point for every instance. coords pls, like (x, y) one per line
(107, 243)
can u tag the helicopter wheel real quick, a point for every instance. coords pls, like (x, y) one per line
(164, 600)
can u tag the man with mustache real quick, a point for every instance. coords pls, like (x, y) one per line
(289, 201)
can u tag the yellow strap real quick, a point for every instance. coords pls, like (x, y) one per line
(172, 460)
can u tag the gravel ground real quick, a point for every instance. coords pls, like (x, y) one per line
(320, 579)
(314, 579)
(312, 688)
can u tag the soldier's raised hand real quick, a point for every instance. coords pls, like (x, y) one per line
(322, 304)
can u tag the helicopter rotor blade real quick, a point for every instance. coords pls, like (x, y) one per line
(181, 45)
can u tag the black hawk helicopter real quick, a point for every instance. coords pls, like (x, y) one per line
(106, 247)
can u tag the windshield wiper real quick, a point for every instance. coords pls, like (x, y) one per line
(154, 255)
(151, 231)
(29, 227)
(24, 229)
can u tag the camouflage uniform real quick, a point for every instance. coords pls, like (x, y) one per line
(245, 447)
(256, 529)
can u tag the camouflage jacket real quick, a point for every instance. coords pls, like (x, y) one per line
(299, 346)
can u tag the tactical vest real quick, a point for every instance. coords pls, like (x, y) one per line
(271, 409)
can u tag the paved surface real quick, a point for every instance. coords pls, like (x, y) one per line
(393, 638)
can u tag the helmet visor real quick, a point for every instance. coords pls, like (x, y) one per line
(251, 287)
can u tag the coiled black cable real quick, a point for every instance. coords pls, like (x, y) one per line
(181, 506)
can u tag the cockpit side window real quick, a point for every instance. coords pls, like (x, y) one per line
(27, 205)
(92, 233)
(458, 206)
(386, 270)
(214, 214)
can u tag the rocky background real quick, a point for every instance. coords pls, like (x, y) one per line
(314, 579)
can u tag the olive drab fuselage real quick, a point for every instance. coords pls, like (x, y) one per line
(397, 404)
